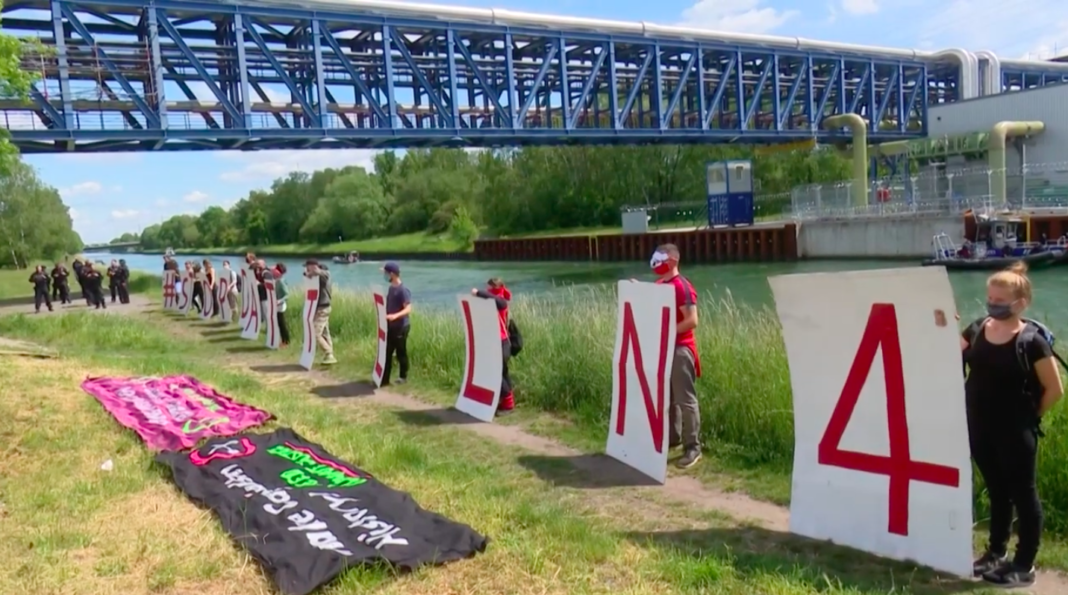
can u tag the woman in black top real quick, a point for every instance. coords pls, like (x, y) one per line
(1012, 381)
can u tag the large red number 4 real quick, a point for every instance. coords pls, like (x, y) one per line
(881, 331)
(655, 411)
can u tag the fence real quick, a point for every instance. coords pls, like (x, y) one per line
(946, 191)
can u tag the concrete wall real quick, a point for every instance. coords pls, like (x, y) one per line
(882, 237)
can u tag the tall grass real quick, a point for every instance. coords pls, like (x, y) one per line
(565, 369)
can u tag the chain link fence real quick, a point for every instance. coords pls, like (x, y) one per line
(936, 191)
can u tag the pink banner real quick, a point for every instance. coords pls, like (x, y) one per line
(174, 412)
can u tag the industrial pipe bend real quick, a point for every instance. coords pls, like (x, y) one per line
(859, 129)
(992, 77)
(996, 146)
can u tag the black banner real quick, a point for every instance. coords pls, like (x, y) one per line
(306, 516)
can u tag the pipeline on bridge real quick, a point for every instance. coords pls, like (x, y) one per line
(133, 75)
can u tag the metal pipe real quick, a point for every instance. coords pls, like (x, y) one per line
(859, 128)
(992, 75)
(996, 144)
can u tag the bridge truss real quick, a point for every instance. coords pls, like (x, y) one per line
(134, 75)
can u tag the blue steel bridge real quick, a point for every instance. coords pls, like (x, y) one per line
(167, 75)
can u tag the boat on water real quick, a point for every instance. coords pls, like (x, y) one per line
(350, 258)
(996, 246)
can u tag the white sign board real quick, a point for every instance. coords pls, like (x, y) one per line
(250, 306)
(222, 293)
(185, 297)
(270, 310)
(641, 377)
(383, 326)
(481, 387)
(206, 296)
(307, 317)
(170, 297)
(881, 461)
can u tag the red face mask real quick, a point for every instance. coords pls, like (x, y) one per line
(660, 263)
(662, 269)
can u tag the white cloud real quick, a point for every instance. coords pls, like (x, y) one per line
(203, 93)
(75, 215)
(860, 6)
(1037, 29)
(81, 189)
(265, 166)
(162, 202)
(195, 196)
(124, 214)
(739, 16)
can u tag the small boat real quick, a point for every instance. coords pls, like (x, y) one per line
(350, 258)
(995, 247)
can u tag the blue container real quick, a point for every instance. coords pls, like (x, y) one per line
(730, 193)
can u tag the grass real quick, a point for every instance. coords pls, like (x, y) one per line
(406, 243)
(70, 527)
(744, 391)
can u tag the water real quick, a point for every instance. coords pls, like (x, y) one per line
(438, 283)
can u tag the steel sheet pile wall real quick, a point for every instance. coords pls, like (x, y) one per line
(760, 244)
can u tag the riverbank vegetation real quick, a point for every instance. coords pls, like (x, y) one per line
(129, 530)
(34, 222)
(444, 199)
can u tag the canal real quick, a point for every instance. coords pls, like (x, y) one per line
(439, 282)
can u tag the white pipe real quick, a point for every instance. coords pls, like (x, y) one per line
(971, 86)
(992, 76)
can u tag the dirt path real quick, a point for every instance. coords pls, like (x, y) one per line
(139, 304)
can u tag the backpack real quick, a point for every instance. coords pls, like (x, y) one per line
(514, 337)
(1032, 329)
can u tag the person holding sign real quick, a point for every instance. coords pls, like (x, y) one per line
(398, 307)
(685, 416)
(281, 293)
(495, 290)
(1012, 381)
(321, 321)
(232, 288)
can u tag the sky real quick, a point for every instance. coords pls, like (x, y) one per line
(116, 193)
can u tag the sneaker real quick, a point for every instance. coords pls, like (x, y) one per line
(1011, 576)
(329, 360)
(988, 562)
(402, 380)
(689, 458)
(504, 412)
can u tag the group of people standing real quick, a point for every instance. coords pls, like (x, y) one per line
(55, 285)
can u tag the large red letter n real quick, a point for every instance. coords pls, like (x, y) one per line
(654, 411)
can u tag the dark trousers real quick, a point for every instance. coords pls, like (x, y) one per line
(198, 296)
(506, 379)
(63, 292)
(1007, 455)
(396, 342)
(86, 295)
(124, 293)
(283, 327)
(96, 297)
(39, 298)
(114, 287)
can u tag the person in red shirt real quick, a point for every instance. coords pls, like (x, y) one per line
(685, 415)
(499, 293)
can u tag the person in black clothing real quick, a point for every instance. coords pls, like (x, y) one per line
(113, 284)
(258, 268)
(198, 289)
(93, 285)
(498, 292)
(79, 276)
(41, 281)
(61, 284)
(398, 307)
(1012, 381)
(124, 282)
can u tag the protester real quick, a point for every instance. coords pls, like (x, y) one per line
(496, 290)
(41, 282)
(398, 307)
(321, 321)
(79, 276)
(258, 267)
(233, 288)
(60, 284)
(93, 286)
(198, 289)
(124, 282)
(113, 285)
(209, 287)
(1012, 381)
(685, 414)
(281, 292)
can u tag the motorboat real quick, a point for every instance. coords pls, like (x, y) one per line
(996, 246)
(350, 258)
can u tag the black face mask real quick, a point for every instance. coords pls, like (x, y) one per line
(999, 311)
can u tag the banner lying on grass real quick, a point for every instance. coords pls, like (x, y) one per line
(174, 412)
(306, 516)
